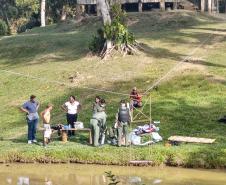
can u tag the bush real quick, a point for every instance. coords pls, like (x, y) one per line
(117, 32)
(3, 28)
(22, 24)
(17, 26)
(97, 42)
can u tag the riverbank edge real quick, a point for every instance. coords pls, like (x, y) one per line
(109, 164)
(208, 157)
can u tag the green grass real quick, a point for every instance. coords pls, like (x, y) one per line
(187, 103)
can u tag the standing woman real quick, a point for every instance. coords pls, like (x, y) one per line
(72, 108)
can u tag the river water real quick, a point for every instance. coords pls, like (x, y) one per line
(76, 174)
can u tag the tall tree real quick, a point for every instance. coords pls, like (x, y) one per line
(43, 11)
(105, 12)
(8, 10)
(114, 35)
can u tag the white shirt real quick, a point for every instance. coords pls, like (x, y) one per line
(72, 107)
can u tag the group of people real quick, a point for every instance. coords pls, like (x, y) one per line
(72, 107)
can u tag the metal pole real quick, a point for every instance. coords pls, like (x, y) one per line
(150, 108)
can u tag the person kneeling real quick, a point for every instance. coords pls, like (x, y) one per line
(46, 115)
(136, 99)
(123, 121)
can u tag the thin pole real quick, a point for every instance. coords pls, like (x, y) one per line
(150, 147)
(150, 108)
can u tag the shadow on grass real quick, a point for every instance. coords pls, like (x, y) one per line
(66, 41)
(80, 138)
(171, 28)
(160, 52)
(53, 48)
(213, 29)
(69, 42)
(205, 63)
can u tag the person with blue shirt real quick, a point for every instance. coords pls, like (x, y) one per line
(31, 109)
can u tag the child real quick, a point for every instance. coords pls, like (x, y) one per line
(46, 116)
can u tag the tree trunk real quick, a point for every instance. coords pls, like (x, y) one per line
(63, 13)
(209, 6)
(203, 5)
(140, 6)
(162, 5)
(98, 9)
(225, 6)
(104, 9)
(43, 10)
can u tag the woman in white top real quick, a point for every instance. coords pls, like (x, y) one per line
(71, 107)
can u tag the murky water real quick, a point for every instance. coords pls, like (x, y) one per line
(74, 174)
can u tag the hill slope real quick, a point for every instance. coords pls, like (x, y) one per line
(188, 102)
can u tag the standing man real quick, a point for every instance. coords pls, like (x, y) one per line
(31, 109)
(123, 120)
(46, 116)
(71, 107)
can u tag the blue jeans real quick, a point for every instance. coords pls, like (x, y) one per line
(32, 126)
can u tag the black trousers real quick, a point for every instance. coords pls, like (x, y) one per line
(71, 119)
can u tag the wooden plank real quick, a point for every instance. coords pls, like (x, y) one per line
(140, 162)
(141, 121)
(77, 129)
(191, 139)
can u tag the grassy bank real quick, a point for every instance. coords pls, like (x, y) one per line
(188, 102)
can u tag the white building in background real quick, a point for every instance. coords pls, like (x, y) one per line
(211, 6)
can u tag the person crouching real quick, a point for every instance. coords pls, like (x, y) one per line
(98, 123)
(123, 121)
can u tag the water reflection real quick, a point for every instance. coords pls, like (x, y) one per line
(23, 181)
(94, 175)
(48, 181)
(72, 179)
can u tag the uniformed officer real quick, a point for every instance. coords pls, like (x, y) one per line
(123, 121)
(98, 122)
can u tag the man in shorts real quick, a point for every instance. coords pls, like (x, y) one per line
(46, 116)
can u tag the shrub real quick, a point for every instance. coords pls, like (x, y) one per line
(97, 42)
(22, 24)
(117, 32)
(17, 26)
(3, 28)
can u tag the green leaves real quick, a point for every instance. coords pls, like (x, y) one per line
(112, 178)
(97, 42)
(3, 28)
(117, 32)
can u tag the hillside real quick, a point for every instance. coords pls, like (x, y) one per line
(187, 102)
